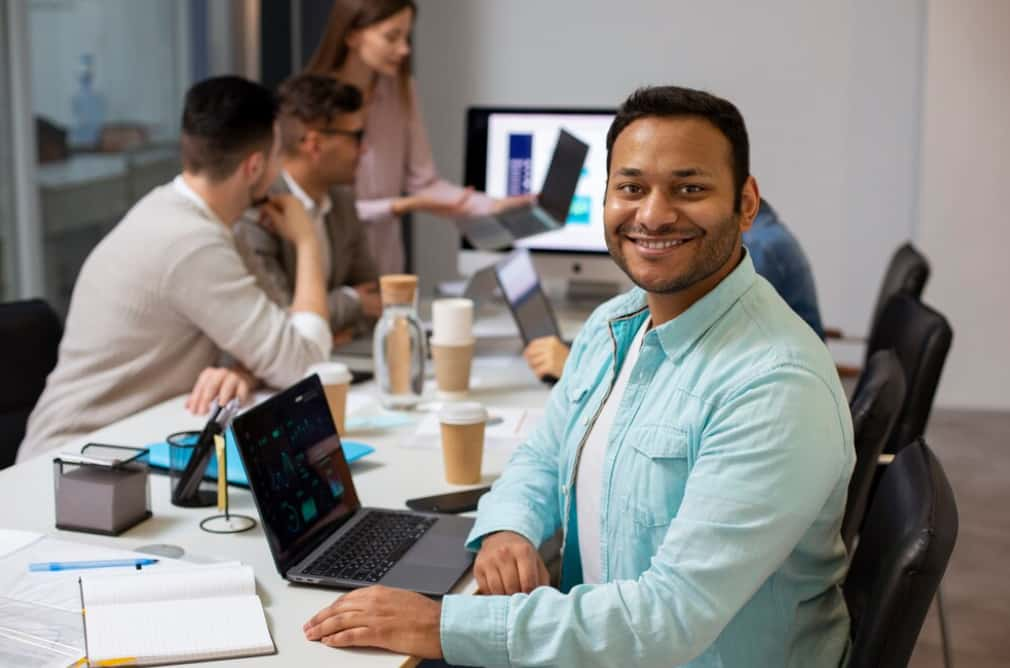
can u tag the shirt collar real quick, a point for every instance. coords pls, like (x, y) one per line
(303, 197)
(183, 189)
(678, 335)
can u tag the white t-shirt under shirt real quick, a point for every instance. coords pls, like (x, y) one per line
(589, 479)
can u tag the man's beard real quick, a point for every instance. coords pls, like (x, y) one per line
(716, 249)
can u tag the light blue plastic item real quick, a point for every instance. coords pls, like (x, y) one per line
(87, 106)
(236, 472)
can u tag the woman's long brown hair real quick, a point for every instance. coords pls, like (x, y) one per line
(348, 16)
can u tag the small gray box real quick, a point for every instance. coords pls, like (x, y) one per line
(99, 499)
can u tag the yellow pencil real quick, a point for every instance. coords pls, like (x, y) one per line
(222, 474)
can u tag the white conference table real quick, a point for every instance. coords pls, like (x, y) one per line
(395, 472)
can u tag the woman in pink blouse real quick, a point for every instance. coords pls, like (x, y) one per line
(367, 44)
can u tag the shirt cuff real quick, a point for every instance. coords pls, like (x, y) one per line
(474, 630)
(313, 327)
(351, 293)
(515, 517)
(371, 210)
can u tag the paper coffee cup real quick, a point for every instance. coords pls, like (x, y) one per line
(336, 379)
(462, 441)
(452, 366)
(452, 321)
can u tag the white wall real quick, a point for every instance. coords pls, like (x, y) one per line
(965, 170)
(830, 91)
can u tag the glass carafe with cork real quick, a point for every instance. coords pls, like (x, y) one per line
(399, 345)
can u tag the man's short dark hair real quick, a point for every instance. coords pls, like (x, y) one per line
(313, 100)
(224, 120)
(672, 102)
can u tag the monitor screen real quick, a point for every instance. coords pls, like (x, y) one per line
(508, 152)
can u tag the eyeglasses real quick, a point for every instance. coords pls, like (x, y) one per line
(356, 135)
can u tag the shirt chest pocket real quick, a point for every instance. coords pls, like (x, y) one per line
(656, 474)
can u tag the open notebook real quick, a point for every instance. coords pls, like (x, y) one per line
(171, 616)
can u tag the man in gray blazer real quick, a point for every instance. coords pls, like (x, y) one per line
(321, 123)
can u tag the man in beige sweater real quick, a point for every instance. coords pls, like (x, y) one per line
(321, 121)
(166, 292)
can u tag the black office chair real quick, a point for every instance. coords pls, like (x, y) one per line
(903, 552)
(906, 274)
(875, 409)
(921, 338)
(30, 333)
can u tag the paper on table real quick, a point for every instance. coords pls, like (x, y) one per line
(12, 540)
(37, 636)
(514, 427)
(58, 589)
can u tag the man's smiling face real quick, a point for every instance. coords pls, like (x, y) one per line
(669, 216)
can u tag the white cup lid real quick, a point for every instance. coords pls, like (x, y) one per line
(462, 412)
(331, 373)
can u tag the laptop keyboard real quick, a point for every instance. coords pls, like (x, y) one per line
(371, 547)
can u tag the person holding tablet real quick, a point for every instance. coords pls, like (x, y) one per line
(367, 44)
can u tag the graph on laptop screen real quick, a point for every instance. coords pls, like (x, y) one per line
(509, 151)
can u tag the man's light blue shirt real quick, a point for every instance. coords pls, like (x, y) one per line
(723, 488)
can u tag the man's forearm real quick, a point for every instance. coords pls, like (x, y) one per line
(310, 285)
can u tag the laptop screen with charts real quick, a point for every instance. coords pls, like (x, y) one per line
(316, 528)
(520, 285)
(549, 213)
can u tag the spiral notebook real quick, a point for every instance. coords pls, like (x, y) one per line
(154, 617)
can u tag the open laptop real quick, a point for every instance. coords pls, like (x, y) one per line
(316, 528)
(548, 213)
(520, 286)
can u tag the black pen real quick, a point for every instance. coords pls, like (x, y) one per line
(84, 622)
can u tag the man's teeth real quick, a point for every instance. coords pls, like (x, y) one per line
(658, 245)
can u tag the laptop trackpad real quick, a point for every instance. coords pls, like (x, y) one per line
(435, 562)
(421, 578)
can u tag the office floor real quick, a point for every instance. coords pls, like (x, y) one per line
(974, 448)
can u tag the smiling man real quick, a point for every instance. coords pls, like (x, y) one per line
(696, 451)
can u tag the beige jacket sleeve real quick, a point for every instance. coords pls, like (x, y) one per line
(211, 287)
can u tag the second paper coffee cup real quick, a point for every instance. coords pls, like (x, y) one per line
(336, 378)
(462, 427)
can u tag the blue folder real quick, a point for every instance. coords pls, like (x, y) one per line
(236, 471)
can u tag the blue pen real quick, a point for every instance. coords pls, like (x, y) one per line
(100, 563)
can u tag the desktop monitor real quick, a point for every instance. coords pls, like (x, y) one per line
(508, 151)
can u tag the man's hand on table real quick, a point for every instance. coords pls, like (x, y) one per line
(508, 564)
(393, 619)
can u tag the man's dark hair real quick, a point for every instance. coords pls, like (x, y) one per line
(672, 102)
(312, 100)
(224, 119)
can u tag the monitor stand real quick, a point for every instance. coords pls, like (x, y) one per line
(579, 290)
